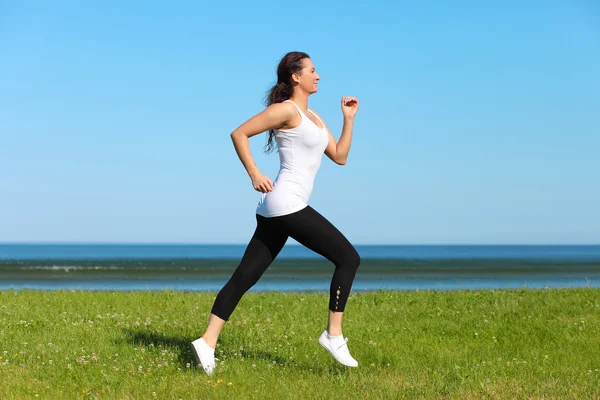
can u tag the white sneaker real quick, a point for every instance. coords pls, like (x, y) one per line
(204, 354)
(338, 349)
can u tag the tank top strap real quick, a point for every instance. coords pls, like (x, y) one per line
(320, 120)
(296, 105)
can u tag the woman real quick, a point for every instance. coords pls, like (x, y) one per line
(283, 209)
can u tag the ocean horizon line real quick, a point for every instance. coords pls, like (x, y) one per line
(92, 243)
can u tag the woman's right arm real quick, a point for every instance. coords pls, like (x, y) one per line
(273, 117)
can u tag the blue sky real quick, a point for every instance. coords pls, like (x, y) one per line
(479, 122)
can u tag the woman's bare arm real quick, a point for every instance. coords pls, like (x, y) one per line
(273, 117)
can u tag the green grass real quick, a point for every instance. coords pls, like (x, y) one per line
(420, 344)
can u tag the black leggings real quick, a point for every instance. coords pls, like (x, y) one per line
(310, 229)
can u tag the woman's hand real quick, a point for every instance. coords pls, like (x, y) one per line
(261, 182)
(349, 106)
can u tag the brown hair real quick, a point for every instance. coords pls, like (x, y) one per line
(290, 64)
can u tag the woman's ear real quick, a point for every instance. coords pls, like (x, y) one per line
(295, 78)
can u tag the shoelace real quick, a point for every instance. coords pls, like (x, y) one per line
(343, 344)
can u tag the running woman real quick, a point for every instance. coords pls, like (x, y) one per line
(283, 211)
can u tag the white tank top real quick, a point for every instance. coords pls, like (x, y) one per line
(300, 152)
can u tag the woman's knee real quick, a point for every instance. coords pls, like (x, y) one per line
(356, 258)
(351, 258)
(245, 279)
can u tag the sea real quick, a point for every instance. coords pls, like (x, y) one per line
(207, 267)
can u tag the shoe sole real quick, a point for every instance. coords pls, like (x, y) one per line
(333, 355)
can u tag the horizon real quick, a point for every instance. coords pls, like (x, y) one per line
(291, 244)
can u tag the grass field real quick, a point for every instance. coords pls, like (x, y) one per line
(501, 344)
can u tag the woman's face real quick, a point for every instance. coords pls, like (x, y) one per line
(308, 78)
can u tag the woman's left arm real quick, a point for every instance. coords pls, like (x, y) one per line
(338, 151)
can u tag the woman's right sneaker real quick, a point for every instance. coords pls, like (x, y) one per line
(338, 348)
(204, 354)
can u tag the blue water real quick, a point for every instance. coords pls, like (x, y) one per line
(168, 251)
(208, 267)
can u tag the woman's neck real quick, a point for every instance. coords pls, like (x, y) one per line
(301, 99)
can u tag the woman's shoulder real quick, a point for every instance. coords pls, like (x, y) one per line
(284, 107)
